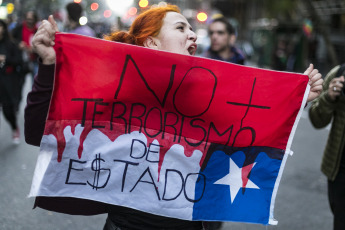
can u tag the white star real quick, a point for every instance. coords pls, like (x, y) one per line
(234, 180)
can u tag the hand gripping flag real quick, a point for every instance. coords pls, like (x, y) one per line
(168, 134)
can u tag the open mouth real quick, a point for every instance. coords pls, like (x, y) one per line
(192, 49)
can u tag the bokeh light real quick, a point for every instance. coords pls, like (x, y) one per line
(119, 7)
(132, 11)
(201, 16)
(10, 7)
(83, 20)
(107, 13)
(163, 4)
(143, 3)
(94, 6)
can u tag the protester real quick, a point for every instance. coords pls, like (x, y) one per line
(223, 37)
(161, 28)
(75, 11)
(10, 59)
(22, 35)
(330, 106)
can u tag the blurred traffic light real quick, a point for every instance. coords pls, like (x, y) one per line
(78, 1)
(201, 16)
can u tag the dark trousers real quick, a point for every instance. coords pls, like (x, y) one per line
(10, 115)
(336, 197)
(9, 97)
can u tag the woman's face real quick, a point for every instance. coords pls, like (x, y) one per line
(176, 35)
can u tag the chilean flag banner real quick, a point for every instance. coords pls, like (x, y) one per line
(168, 134)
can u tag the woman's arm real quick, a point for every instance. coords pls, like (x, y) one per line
(322, 109)
(37, 106)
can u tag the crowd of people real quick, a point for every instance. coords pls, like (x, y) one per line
(27, 48)
(18, 59)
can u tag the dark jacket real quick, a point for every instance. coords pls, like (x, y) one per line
(9, 73)
(237, 58)
(321, 113)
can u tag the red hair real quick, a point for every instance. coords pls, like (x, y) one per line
(148, 23)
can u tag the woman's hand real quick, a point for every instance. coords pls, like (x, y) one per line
(315, 82)
(43, 41)
(335, 87)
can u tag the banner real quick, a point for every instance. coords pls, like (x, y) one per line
(168, 134)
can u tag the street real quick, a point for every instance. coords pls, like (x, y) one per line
(301, 201)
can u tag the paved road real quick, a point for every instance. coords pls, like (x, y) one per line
(301, 201)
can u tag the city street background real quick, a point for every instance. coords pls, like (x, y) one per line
(283, 35)
(301, 201)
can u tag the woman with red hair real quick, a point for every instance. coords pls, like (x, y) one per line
(161, 28)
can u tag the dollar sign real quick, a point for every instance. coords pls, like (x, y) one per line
(96, 166)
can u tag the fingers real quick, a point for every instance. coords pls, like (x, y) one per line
(53, 22)
(43, 41)
(337, 84)
(309, 69)
(318, 83)
(314, 77)
(45, 34)
(335, 87)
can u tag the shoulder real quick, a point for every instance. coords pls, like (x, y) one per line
(332, 73)
(238, 52)
(85, 30)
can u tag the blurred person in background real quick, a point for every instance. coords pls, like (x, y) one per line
(280, 56)
(10, 60)
(330, 107)
(22, 35)
(11, 22)
(74, 13)
(223, 37)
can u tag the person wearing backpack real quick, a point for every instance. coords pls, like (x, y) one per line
(330, 107)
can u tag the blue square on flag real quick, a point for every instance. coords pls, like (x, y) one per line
(237, 190)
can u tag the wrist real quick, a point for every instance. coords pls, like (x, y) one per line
(330, 98)
(48, 61)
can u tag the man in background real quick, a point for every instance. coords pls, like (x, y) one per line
(22, 35)
(74, 12)
(223, 37)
